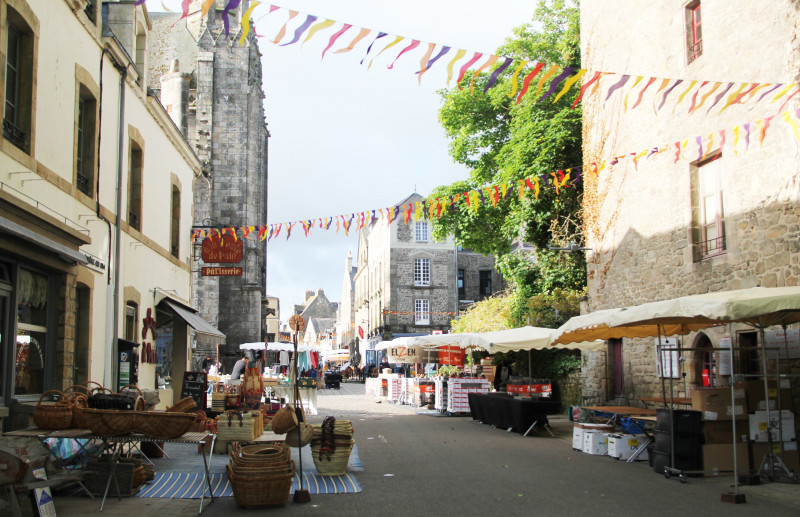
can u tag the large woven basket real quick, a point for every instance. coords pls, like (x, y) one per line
(110, 422)
(163, 425)
(269, 453)
(284, 420)
(184, 405)
(57, 415)
(336, 463)
(253, 491)
(306, 433)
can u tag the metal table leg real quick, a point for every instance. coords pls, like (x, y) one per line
(206, 464)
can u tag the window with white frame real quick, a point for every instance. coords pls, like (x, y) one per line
(422, 312)
(422, 231)
(422, 272)
(710, 218)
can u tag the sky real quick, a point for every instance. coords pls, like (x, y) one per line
(345, 138)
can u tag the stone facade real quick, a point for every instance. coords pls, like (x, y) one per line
(644, 218)
(385, 287)
(224, 121)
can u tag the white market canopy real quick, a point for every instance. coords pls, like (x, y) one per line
(279, 346)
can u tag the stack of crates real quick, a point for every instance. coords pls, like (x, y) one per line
(459, 389)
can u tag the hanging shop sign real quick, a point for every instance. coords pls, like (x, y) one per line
(223, 248)
(221, 271)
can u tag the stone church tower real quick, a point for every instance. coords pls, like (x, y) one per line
(211, 87)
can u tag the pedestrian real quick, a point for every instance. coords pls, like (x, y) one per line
(206, 363)
(239, 368)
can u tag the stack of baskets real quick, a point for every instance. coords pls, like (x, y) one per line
(331, 446)
(261, 475)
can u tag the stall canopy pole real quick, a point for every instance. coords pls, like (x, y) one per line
(733, 419)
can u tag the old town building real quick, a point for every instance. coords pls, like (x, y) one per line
(211, 86)
(95, 207)
(704, 193)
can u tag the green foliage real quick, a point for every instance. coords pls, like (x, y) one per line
(449, 370)
(503, 142)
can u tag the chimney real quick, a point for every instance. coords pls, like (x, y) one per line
(309, 294)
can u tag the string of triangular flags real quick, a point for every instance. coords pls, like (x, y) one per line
(432, 208)
(522, 72)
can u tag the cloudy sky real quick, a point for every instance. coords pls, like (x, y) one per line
(348, 138)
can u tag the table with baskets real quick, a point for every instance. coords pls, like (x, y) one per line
(120, 423)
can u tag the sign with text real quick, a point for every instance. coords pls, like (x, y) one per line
(667, 358)
(221, 271)
(226, 249)
(194, 385)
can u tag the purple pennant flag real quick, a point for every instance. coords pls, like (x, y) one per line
(430, 63)
(452, 205)
(558, 80)
(394, 214)
(669, 90)
(497, 73)
(372, 221)
(232, 4)
(718, 97)
(300, 30)
(619, 84)
(577, 175)
(769, 91)
(746, 127)
(482, 200)
(379, 36)
(138, 2)
(328, 224)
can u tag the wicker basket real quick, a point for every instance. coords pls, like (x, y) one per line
(110, 422)
(163, 425)
(235, 426)
(284, 420)
(53, 416)
(253, 491)
(336, 463)
(264, 453)
(184, 405)
(306, 433)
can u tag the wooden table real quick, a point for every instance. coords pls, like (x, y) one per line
(680, 401)
(618, 411)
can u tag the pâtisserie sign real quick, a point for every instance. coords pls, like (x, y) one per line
(226, 249)
(221, 271)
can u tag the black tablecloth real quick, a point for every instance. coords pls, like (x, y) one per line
(504, 411)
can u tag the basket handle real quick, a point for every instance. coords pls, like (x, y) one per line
(131, 386)
(140, 404)
(230, 417)
(62, 400)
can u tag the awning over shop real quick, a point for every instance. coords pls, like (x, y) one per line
(65, 253)
(205, 333)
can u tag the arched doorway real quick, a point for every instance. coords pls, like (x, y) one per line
(705, 363)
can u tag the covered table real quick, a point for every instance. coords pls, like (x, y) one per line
(506, 412)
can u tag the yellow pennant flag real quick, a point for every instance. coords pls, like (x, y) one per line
(514, 79)
(475, 199)
(423, 63)
(568, 84)
(397, 40)
(461, 53)
(735, 139)
(691, 85)
(787, 116)
(504, 190)
(418, 211)
(732, 97)
(753, 92)
(316, 28)
(710, 144)
(246, 22)
(707, 94)
(625, 103)
(783, 92)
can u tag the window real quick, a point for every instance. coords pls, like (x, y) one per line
(694, 33)
(175, 222)
(422, 272)
(31, 350)
(18, 105)
(135, 187)
(91, 10)
(141, 52)
(485, 287)
(710, 231)
(85, 141)
(422, 231)
(131, 320)
(460, 281)
(422, 312)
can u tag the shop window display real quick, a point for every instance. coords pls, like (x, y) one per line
(31, 333)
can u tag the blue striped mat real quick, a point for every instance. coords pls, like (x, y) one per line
(190, 485)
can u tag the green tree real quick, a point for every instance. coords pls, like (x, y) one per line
(502, 142)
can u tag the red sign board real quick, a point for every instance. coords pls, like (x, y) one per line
(227, 249)
(221, 271)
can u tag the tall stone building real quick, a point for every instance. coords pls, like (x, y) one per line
(710, 214)
(407, 283)
(211, 86)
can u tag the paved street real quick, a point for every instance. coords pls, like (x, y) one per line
(432, 465)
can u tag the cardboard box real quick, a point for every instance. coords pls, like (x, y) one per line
(716, 403)
(595, 443)
(790, 455)
(756, 400)
(759, 426)
(719, 432)
(622, 446)
(718, 459)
